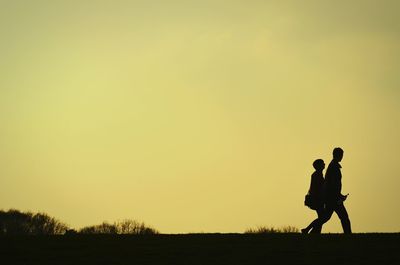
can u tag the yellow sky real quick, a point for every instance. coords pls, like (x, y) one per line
(198, 115)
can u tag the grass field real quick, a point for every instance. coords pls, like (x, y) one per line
(202, 249)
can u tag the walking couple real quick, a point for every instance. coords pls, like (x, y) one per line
(325, 195)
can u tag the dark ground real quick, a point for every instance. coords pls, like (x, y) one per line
(202, 249)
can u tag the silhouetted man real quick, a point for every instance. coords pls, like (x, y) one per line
(334, 198)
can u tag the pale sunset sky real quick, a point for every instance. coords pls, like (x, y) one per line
(199, 116)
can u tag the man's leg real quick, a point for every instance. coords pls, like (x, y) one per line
(344, 218)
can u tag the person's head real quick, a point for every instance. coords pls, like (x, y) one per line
(338, 154)
(319, 164)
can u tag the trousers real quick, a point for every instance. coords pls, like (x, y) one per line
(341, 212)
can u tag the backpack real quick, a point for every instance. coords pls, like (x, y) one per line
(309, 202)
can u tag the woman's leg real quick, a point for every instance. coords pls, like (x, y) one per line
(317, 223)
(313, 223)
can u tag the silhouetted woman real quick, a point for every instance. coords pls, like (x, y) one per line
(316, 196)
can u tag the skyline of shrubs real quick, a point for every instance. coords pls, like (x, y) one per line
(15, 222)
(124, 227)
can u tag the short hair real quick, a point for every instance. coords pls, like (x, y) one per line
(317, 163)
(337, 152)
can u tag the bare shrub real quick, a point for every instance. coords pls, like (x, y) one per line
(103, 228)
(88, 230)
(126, 226)
(272, 230)
(289, 229)
(134, 227)
(42, 224)
(261, 230)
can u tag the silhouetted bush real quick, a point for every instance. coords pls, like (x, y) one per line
(46, 225)
(14, 222)
(289, 229)
(271, 230)
(127, 226)
(71, 232)
(104, 228)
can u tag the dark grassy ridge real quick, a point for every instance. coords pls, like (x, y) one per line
(202, 249)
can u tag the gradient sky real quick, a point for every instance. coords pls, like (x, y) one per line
(198, 116)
